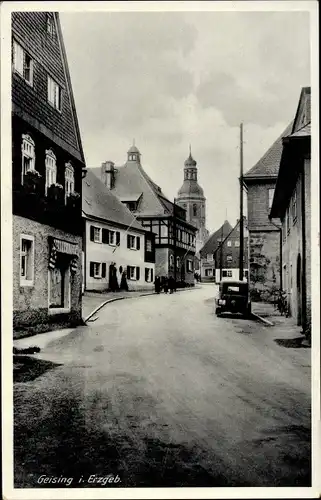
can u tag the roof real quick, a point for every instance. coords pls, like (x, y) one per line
(213, 242)
(268, 165)
(98, 201)
(295, 146)
(190, 187)
(133, 149)
(131, 197)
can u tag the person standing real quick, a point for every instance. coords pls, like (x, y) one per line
(165, 284)
(157, 284)
(171, 284)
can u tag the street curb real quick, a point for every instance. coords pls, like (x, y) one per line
(263, 320)
(123, 298)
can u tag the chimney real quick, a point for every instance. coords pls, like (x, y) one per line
(108, 174)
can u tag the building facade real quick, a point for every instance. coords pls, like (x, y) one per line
(220, 256)
(115, 245)
(174, 236)
(292, 204)
(47, 168)
(265, 258)
(191, 198)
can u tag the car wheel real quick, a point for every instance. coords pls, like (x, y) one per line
(218, 311)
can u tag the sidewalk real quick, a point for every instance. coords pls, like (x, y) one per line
(91, 300)
(290, 332)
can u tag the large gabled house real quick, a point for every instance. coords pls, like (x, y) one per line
(174, 236)
(114, 242)
(292, 204)
(265, 257)
(220, 256)
(47, 168)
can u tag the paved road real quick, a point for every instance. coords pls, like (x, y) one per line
(161, 392)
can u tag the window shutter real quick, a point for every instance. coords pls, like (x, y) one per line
(152, 275)
(128, 241)
(92, 231)
(105, 236)
(146, 274)
(138, 243)
(103, 270)
(91, 269)
(137, 273)
(117, 238)
(128, 273)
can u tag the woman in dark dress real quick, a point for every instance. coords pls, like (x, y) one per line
(157, 284)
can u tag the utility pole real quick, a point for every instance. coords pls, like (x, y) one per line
(241, 273)
(221, 252)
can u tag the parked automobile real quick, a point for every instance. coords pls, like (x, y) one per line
(233, 297)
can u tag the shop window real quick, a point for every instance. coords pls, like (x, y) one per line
(26, 260)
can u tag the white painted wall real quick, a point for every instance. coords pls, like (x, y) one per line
(121, 255)
(234, 277)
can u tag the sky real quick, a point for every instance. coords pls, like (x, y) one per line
(169, 79)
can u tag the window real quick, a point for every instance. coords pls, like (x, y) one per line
(54, 94)
(171, 260)
(28, 155)
(229, 258)
(237, 243)
(132, 206)
(178, 262)
(50, 25)
(271, 195)
(133, 273)
(22, 63)
(97, 234)
(208, 272)
(246, 273)
(97, 270)
(51, 169)
(189, 266)
(229, 274)
(133, 242)
(194, 210)
(288, 220)
(149, 275)
(224, 274)
(210, 257)
(69, 180)
(229, 243)
(26, 260)
(149, 245)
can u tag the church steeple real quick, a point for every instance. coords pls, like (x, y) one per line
(190, 169)
(133, 154)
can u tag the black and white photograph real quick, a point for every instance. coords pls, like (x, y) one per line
(160, 249)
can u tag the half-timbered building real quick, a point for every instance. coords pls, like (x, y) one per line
(174, 236)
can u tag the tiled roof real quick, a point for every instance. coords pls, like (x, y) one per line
(99, 201)
(303, 132)
(213, 242)
(268, 165)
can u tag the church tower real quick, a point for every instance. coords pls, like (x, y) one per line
(191, 197)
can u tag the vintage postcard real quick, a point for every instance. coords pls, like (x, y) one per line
(160, 249)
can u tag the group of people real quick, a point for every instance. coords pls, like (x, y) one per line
(165, 284)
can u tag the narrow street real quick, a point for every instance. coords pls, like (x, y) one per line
(163, 393)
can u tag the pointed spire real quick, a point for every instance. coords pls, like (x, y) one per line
(133, 142)
(190, 150)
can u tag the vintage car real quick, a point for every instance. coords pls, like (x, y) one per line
(233, 298)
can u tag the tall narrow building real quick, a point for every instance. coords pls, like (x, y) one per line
(47, 168)
(191, 197)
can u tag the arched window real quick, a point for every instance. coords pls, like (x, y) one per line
(194, 210)
(178, 262)
(171, 260)
(28, 155)
(51, 168)
(69, 179)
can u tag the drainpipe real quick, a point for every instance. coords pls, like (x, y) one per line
(280, 250)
